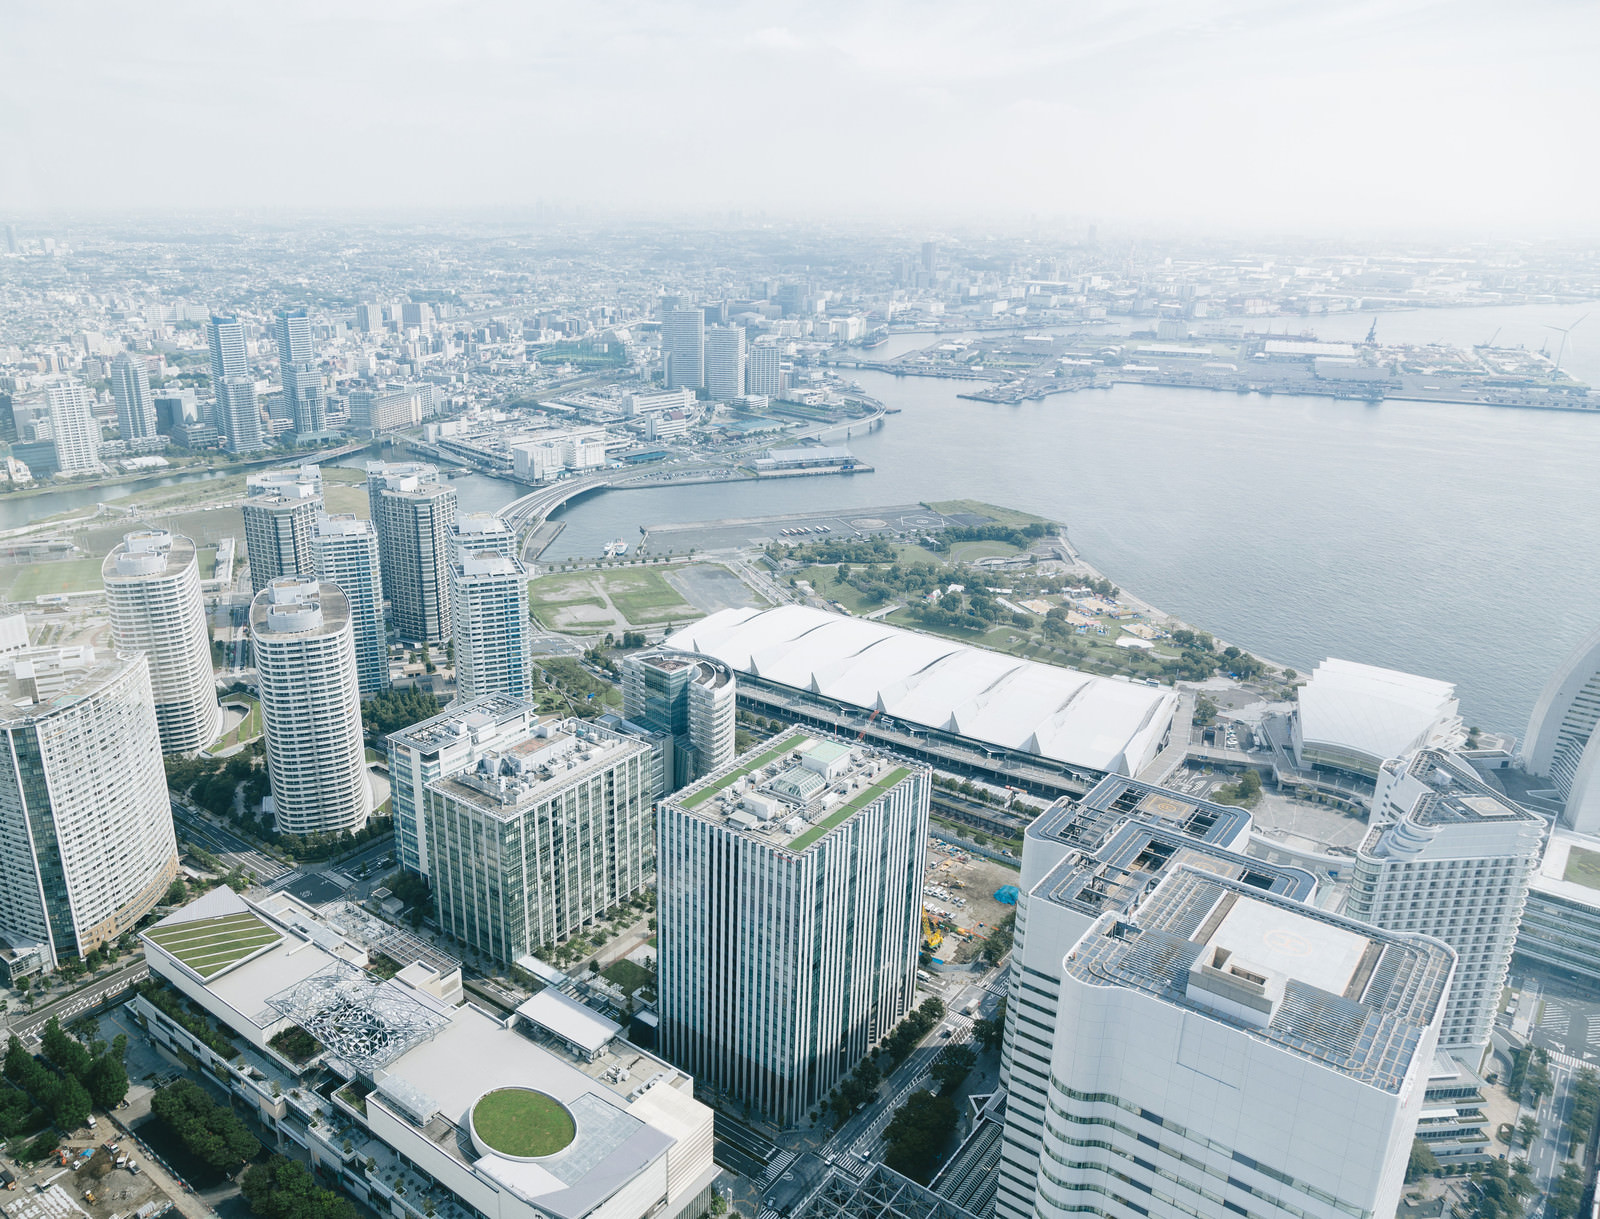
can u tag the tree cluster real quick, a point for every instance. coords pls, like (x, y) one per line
(97, 1067)
(210, 1133)
(1585, 1106)
(1422, 1163)
(61, 1097)
(1567, 1197)
(918, 1133)
(1501, 1189)
(998, 942)
(391, 710)
(1246, 792)
(284, 1189)
(910, 1031)
(954, 1064)
(1020, 537)
(213, 783)
(1530, 1070)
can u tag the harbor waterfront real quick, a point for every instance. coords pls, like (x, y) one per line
(1296, 526)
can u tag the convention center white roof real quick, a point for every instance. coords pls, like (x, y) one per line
(1096, 722)
(1376, 713)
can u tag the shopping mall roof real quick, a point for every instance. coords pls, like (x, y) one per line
(1103, 723)
(1377, 713)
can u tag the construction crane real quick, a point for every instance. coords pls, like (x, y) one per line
(1561, 351)
(1372, 331)
(1492, 338)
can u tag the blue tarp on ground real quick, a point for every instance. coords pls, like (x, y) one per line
(1006, 895)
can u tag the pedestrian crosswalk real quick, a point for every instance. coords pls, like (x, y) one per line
(776, 1167)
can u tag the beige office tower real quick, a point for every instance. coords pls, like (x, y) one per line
(305, 655)
(86, 842)
(153, 593)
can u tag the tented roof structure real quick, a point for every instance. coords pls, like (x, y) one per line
(1099, 723)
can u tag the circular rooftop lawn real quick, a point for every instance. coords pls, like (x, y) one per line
(521, 1123)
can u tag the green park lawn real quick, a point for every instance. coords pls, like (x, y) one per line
(26, 581)
(1583, 868)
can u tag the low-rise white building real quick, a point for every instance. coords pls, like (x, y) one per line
(426, 1125)
(1355, 717)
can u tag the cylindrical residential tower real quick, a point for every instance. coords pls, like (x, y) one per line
(310, 706)
(153, 592)
(86, 841)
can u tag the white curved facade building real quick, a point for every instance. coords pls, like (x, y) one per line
(86, 841)
(1355, 717)
(153, 593)
(1562, 745)
(305, 656)
(930, 682)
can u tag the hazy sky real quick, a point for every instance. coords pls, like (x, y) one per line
(1275, 113)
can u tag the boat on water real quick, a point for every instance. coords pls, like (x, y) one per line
(616, 549)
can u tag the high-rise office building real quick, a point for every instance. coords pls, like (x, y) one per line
(414, 511)
(490, 629)
(683, 345)
(238, 415)
(175, 409)
(73, 429)
(369, 317)
(725, 379)
(280, 512)
(305, 653)
(136, 408)
(344, 552)
(1448, 856)
(538, 837)
(789, 900)
(305, 400)
(1081, 859)
(1562, 744)
(1221, 1050)
(152, 584)
(694, 698)
(446, 744)
(11, 239)
(765, 372)
(86, 840)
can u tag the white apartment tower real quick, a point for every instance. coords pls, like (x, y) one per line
(1081, 859)
(73, 428)
(447, 744)
(694, 698)
(1562, 744)
(538, 837)
(477, 532)
(1222, 1051)
(280, 513)
(414, 512)
(1450, 857)
(344, 552)
(152, 585)
(764, 374)
(491, 631)
(789, 899)
(683, 346)
(725, 362)
(305, 654)
(86, 841)
(136, 407)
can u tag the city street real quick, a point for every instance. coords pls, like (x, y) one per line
(225, 845)
(69, 1007)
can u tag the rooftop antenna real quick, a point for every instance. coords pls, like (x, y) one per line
(1561, 351)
